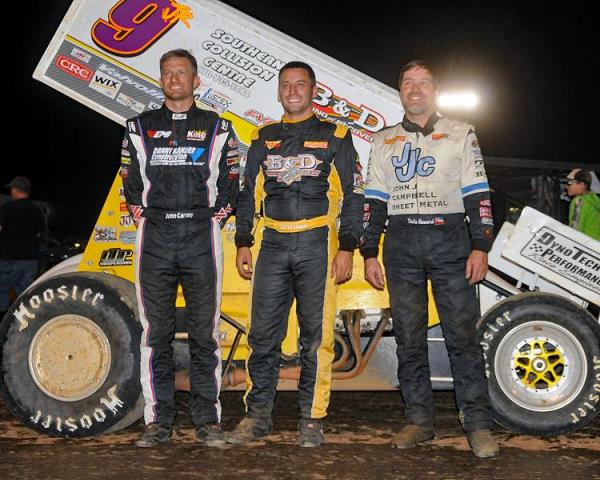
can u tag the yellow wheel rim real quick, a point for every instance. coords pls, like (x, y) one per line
(539, 364)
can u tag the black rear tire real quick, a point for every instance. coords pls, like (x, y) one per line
(70, 356)
(542, 358)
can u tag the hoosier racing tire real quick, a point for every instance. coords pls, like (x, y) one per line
(542, 358)
(69, 364)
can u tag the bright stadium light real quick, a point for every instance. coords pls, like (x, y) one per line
(465, 100)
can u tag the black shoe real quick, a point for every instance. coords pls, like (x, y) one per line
(250, 429)
(210, 434)
(311, 432)
(154, 434)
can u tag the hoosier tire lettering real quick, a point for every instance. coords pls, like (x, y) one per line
(25, 312)
(590, 405)
(113, 404)
(70, 356)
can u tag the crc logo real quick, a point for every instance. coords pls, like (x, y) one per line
(73, 68)
(411, 164)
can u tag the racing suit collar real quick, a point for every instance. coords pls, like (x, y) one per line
(168, 113)
(287, 120)
(414, 128)
(292, 127)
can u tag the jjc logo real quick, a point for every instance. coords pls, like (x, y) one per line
(411, 164)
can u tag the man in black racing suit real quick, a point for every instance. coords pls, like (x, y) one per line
(424, 175)
(304, 166)
(180, 169)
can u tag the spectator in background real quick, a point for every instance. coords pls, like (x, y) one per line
(21, 223)
(584, 211)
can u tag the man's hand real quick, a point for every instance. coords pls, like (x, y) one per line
(341, 268)
(374, 273)
(243, 262)
(476, 267)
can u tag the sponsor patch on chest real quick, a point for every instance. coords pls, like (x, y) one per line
(392, 140)
(292, 169)
(271, 144)
(315, 144)
(196, 135)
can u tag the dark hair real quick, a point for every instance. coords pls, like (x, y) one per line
(302, 65)
(181, 53)
(417, 63)
(584, 176)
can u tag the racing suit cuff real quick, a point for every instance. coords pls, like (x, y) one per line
(243, 240)
(481, 244)
(347, 243)
(369, 252)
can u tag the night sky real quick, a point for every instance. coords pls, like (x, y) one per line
(535, 67)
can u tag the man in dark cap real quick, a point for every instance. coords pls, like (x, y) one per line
(584, 211)
(21, 223)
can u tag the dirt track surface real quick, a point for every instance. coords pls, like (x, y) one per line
(358, 432)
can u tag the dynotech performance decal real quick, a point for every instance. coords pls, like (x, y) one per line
(565, 257)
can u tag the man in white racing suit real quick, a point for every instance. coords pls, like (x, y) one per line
(426, 175)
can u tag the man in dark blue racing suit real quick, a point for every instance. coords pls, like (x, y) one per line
(180, 170)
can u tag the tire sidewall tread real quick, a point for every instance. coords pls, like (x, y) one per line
(104, 409)
(531, 307)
